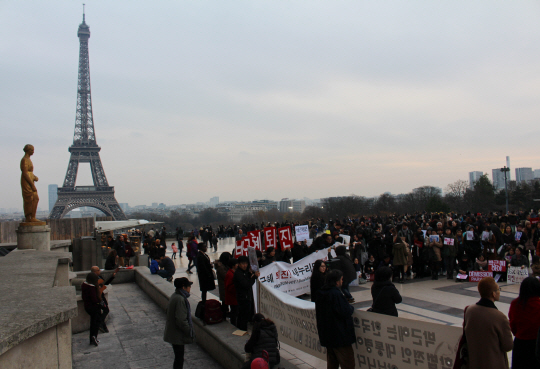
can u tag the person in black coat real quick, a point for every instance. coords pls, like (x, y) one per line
(385, 295)
(334, 322)
(347, 268)
(318, 277)
(299, 251)
(263, 337)
(243, 282)
(204, 271)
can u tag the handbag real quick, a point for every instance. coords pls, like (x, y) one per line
(371, 308)
(462, 355)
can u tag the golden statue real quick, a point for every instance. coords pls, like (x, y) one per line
(29, 190)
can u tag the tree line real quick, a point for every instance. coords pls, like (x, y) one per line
(458, 197)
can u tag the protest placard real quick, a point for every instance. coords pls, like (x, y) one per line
(485, 236)
(302, 232)
(518, 236)
(462, 276)
(254, 240)
(477, 276)
(382, 341)
(253, 263)
(470, 235)
(449, 241)
(346, 239)
(434, 238)
(269, 237)
(285, 238)
(497, 265)
(516, 274)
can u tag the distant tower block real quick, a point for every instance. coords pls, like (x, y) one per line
(85, 150)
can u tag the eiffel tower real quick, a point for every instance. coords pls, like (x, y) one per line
(85, 150)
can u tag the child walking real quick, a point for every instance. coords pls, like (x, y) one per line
(175, 250)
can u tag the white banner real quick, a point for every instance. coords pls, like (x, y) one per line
(516, 274)
(302, 233)
(293, 279)
(382, 341)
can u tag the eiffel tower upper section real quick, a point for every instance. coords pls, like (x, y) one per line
(85, 150)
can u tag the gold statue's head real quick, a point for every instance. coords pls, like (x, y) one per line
(28, 148)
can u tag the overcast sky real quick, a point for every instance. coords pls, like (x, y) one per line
(270, 99)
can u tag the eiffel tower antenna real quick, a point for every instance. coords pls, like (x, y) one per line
(85, 150)
(83, 13)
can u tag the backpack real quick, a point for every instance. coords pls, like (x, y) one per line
(210, 312)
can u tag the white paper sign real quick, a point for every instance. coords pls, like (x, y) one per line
(346, 239)
(516, 274)
(293, 279)
(302, 233)
(382, 341)
(485, 236)
(449, 241)
(252, 255)
(470, 235)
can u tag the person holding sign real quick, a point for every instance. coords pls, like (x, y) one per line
(449, 252)
(487, 330)
(524, 317)
(243, 282)
(519, 260)
(434, 245)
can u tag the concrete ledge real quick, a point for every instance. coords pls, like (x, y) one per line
(36, 295)
(217, 339)
(123, 276)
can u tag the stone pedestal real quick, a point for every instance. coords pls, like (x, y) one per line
(34, 236)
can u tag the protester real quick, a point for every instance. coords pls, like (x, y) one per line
(487, 330)
(524, 318)
(399, 251)
(449, 252)
(434, 246)
(222, 267)
(535, 266)
(179, 326)
(243, 280)
(346, 266)
(264, 337)
(481, 264)
(270, 256)
(230, 291)
(317, 278)
(92, 305)
(334, 323)
(519, 260)
(384, 294)
(205, 271)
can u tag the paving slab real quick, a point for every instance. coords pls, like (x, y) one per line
(135, 338)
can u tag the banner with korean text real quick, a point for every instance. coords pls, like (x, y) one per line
(382, 341)
(293, 279)
(241, 247)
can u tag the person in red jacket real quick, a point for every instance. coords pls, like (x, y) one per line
(230, 291)
(92, 304)
(524, 318)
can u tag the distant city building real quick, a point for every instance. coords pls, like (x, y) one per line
(298, 206)
(214, 201)
(474, 177)
(523, 175)
(124, 206)
(161, 206)
(53, 196)
(285, 205)
(498, 178)
(536, 174)
(154, 204)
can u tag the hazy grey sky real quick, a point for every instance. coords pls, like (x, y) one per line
(270, 99)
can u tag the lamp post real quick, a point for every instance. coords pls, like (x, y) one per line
(505, 170)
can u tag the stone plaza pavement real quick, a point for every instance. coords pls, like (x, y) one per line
(135, 339)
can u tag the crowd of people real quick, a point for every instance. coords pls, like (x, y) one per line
(386, 249)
